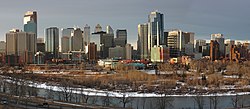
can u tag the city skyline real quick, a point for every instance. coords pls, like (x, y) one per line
(189, 15)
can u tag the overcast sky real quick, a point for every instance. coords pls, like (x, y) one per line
(204, 17)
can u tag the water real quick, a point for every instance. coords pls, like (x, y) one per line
(180, 102)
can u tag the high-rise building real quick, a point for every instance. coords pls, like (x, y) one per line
(86, 35)
(109, 30)
(107, 41)
(160, 53)
(22, 45)
(98, 28)
(30, 22)
(92, 52)
(97, 39)
(179, 41)
(199, 44)
(2, 46)
(155, 29)
(66, 40)
(128, 51)
(40, 45)
(228, 46)
(77, 40)
(220, 39)
(121, 37)
(52, 41)
(214, 50)
(117, 52)
(142, 44)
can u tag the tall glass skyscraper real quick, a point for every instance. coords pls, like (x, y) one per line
(30, 22)
(143, 41)
(52, 41)
(155, 29)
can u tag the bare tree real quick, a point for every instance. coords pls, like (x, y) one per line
(66, 90)
(125, 99)
(85, 97)
(94, 99)
(106, 101)
(164, 102)
(235, 101)
(214, 100)
(199, 100)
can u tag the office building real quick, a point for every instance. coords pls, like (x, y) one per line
(160, 54)
(107, 41)
(117, 52)
(98, 28)
(155, 29)
(2, 46)
(40, 45)
(109, 30)
(92, 52)
(66, 40)
(142, 44)
(96, 38)
(52, 42)
(86, 35)
(220, 39)
(20, 45)
(214, 50)
(199, 45)
(121, 37)
(179, 41)
(77, 40)
(128, 51)
(30, 22)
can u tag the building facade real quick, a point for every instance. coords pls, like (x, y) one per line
(142, 45)
(121, 37)
(21, 45)
(52, 41)
(155, 29)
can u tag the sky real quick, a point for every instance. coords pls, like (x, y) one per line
(203, 17)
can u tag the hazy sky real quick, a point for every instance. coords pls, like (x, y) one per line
(204, 17)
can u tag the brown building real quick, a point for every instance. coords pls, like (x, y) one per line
(92, 52)
(214, 50)
(234, 53)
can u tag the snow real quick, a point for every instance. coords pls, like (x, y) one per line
(94, 92)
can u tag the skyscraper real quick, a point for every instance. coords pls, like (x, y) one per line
(220, 39)
(86, 35)
(52, 41)
(155, 29)
(98, 28)
(214, 50)
(109, 30)
(30, 22)
(77, 40)
(180, 43)
(66, 40)
(142, 46)
(121, 37)
(22, 45)
(199, 45)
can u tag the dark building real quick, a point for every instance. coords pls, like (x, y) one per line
(121, 38)
(103, 42)
(92, 52)
(40, 47)
(214, 50)
(165, 38)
